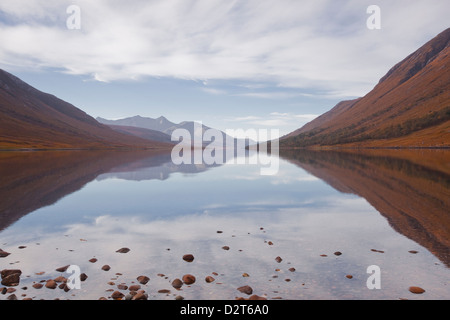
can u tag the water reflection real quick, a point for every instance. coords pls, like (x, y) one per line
(74, 206)
(411, 189)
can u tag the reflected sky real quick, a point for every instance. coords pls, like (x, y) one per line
(162, 212)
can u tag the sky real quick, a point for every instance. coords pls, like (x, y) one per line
(242, 64)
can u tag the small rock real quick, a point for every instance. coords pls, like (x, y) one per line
(123, 250)
(38, 285)
(11, 280)
(226, 248)
(140, 296)
(106, 267)
(134, 287)
(337, 253)
(245, 289)
(51, 284)
(143, 279)
(117, 295)
(209, 279)
(60, 279)
(188, 279)
(188, 257)
(416, 290)
(12, 297)
(164, 291)
(413, 251)
(62, 269)
(177, 283)
(349, 276)
(6, 272)
(278, 259)
(122, 286)
(93, 260)
(83, 276)
(291, 269)
(245, 274)
(179, 298)
(4, 254)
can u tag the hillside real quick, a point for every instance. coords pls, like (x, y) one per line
(31, 119)
(409, 107)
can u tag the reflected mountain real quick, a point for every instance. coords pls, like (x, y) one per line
(410, 188)
(158, 167)
(32, 180)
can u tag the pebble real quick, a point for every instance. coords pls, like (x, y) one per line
(123, 250)
(117, 295)
(188, 257)
(62, 269)
(143, 279)
(177, 283)
(51, 284)
(209, 279)
(226, 248)
(188, 279)
(337, 253)
(416, 290)
(278, 259)
(140, 296)
(134, 287)
(4, 254)
(106, 267)
(245, 289)
(10, 277)
(122, 286)
(38, 285)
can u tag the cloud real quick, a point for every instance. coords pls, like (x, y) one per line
(293, 44)
(284, 121)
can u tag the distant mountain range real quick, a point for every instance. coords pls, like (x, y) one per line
(31, 119)
(409, 107)
(161, 129)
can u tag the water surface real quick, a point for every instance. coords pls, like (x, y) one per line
(327, 215)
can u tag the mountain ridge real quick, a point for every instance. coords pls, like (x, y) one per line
(409, 107)
(32, 119)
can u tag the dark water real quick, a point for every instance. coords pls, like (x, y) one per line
(387, 209)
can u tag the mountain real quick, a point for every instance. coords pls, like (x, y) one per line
(143, 133)
(164, 126)
(409, 107)
(159, 124)
(31, 119)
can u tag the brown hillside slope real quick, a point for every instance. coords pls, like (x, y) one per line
(32, 119)
(409, 107)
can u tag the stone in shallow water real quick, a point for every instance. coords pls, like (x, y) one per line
(188, 279)
(188, 257)
(416, 290)
(245, 289)
(143, 279)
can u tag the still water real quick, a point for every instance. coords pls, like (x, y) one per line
(311, 231)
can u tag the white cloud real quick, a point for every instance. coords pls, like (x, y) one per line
(299, 44)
